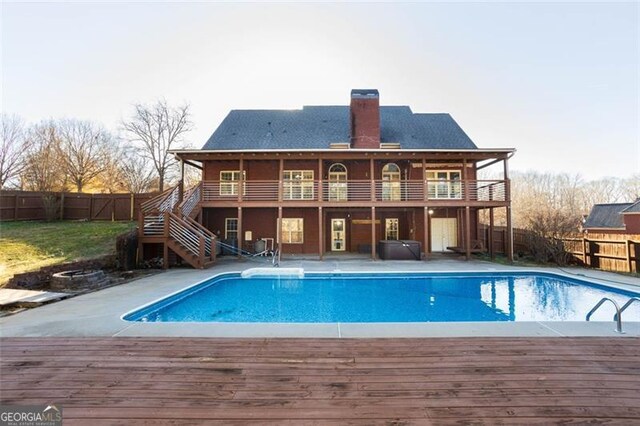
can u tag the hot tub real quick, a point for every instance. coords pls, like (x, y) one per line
(400, 250)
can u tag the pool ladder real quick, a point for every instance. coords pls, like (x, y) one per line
(618, 315)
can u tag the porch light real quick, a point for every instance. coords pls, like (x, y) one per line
(430, 211)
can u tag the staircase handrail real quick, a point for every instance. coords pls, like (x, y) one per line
(190, 239)
(210, 239)
(155, 201)
(192, 235)
(165, 201)
(190, 200)
(200, 227)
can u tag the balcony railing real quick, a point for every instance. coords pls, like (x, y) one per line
(354, 191)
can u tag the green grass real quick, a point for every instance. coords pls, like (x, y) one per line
(28, 246)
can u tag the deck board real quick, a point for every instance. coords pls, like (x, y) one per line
(326, 381)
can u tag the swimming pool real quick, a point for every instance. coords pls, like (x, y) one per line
(406, 297)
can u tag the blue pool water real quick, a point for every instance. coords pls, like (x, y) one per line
(387, 298)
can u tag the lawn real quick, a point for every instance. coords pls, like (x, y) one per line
(27, 246)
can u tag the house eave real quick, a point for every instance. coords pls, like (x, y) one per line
(592, 228)
(201, 155)
(351, 150)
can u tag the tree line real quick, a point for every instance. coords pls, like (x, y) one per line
(537, 196)
(70, 154)
(552, 206)
(77, 155)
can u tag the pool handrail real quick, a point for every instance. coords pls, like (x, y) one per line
(625, 306)
(617, 317)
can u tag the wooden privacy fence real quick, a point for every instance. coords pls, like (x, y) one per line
(500, 239)
(609, 252)
(23, 205)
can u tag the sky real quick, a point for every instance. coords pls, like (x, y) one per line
(558, 82)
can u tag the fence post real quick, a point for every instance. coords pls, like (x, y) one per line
(62, 206)
(629, 266)
(91, 206)
(594, 261)
(15, 207)
(132, 200)
(584, 251)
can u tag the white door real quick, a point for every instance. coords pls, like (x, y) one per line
(444, 233)
(338, 240)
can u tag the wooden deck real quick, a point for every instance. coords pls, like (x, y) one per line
(326, 381)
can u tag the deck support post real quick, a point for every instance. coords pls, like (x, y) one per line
(490, 239)
(425, 227)
(509, 242)
(467, 232)
(240, 236)
(320, 237)
(241, 180)
(373, 233)
(181, 188)
(372, 171)
(320, 181)
(280, 180)
(279, 230)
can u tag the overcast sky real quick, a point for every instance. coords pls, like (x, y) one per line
(557, 82)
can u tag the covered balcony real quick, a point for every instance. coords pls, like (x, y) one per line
(357, 192)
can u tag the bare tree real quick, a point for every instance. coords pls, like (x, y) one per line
(135, 173)
(192, 176)
(110, 179)
(43, 170)
(158, 128)
(83, 149)
(12, 147)
(631, 188)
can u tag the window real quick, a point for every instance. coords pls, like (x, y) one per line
(391, 229)
(229, 182)
(292, 231)
(391, 182)
(337, 182)
(444, 184)
(231, 228)
(298, 185)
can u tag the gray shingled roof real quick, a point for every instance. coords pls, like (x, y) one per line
(606, 216)
(633, 208)
(316, 127)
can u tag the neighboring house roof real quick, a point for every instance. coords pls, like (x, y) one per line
(633, 208)
(606, 216)
(316, 127)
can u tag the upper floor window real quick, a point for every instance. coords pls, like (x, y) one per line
(391, 182)
(229, 182)
(298, 185)
(444, 184)
(337, 182)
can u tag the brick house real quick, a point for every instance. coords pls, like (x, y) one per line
(331, 179)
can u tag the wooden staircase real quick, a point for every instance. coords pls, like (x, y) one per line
(167, 220)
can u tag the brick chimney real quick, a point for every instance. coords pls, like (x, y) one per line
(365, 118)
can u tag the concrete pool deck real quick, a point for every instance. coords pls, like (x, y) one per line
(99, 313)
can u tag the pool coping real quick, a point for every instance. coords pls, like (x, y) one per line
(100, 313)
